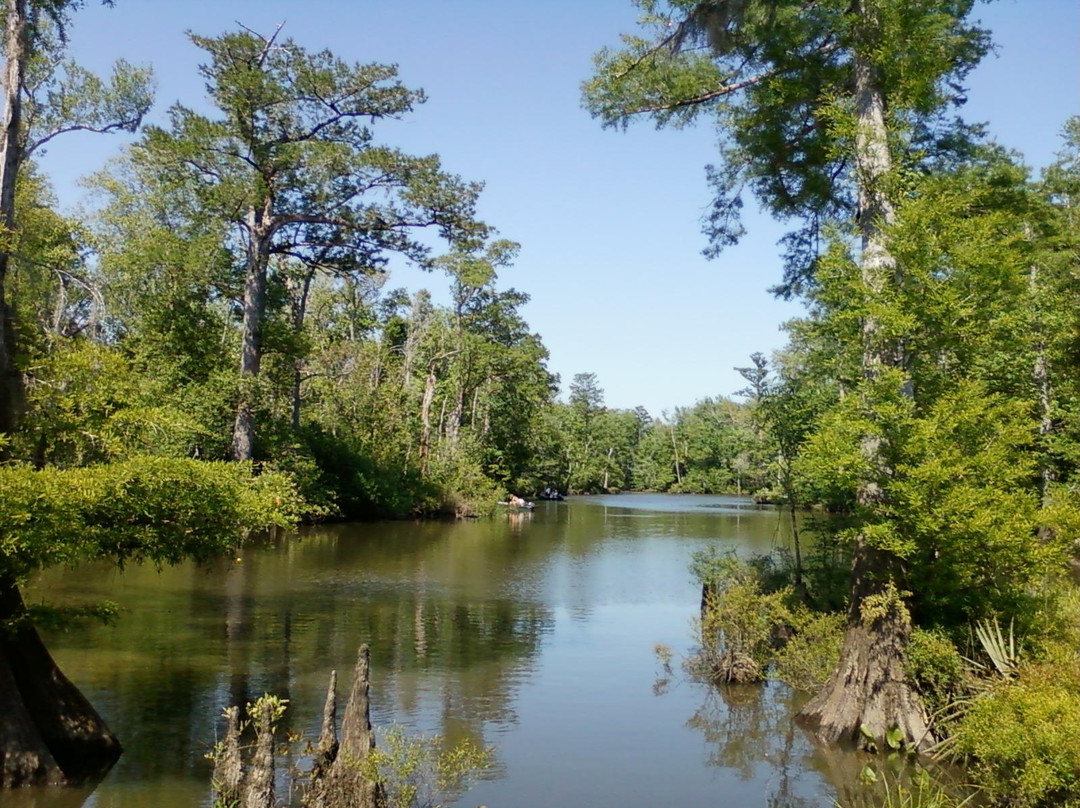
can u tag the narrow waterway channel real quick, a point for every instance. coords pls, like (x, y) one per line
(533, 633)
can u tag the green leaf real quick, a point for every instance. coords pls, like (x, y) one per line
(894, 737)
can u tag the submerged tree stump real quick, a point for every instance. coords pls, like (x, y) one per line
(259, 785)
(228, 767)
(737, 668)
(344, 785)
(337, 778)
(328, 740)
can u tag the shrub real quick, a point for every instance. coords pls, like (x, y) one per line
(935, 667)
(739, 620)
(158, 509)
(1024, 738)
(810, 656)
(423, 771)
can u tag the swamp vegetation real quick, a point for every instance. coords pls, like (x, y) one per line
(213, 351)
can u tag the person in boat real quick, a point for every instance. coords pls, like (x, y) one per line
(517, 502)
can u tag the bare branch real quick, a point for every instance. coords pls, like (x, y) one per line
(127, 126)
(726, 89)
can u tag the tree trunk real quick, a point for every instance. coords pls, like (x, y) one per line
(16, 50)
(453, 423)
(24, 758)
(425, 419)
(259, 785)
(228, 776)
(675, 448)
(243, 442)
(869, 694)
(49, 731)
(299, 290)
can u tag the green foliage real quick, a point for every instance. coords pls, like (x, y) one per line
(1024, 738)
(776, 80)
(935, 667)
(1004, 654)
(739, 619)
(255, 710)
(966, 509)
(63, 618)
(811, 654)
(424, 771)
(752, 613)
(147, 508)
(907, 789)
(90, 403)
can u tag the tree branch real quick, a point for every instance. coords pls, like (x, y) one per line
(128, 126)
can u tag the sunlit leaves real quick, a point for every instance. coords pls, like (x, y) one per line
(158, 509)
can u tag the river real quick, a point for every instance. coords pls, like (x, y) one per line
(532, 632)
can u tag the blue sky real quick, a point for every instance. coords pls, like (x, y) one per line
(609, 222)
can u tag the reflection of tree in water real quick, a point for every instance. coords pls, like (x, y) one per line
(449, 641)
(751, 727)
(892, 771)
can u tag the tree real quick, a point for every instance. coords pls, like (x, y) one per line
(820, 105)
(43, 98)
(585, 462)
(292, 168)
(756, 377)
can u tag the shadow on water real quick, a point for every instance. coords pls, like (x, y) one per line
(533, 633)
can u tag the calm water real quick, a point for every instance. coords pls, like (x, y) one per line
(533, 633)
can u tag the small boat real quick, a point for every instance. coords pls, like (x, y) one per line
(523, 506)
(551, 494)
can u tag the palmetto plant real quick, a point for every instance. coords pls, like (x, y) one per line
(1004, 654)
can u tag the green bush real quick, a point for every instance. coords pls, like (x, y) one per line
(1023, 737)
(421, 771)
(812, 653)
(935, 667)
(739, 618)
(159, 509)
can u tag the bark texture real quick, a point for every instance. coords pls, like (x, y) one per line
(228, 767)
(49, 732)
(260, 228)
(868, 695)
(15, 51)
(337, 780)
(259, 784)
(328, 740)
(346, 785)
(24, 758)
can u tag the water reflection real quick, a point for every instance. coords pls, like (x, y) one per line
(749, 729)
(533, 633)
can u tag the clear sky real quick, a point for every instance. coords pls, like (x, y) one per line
(609, 222)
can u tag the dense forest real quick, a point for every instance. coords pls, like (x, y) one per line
(219, 346)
